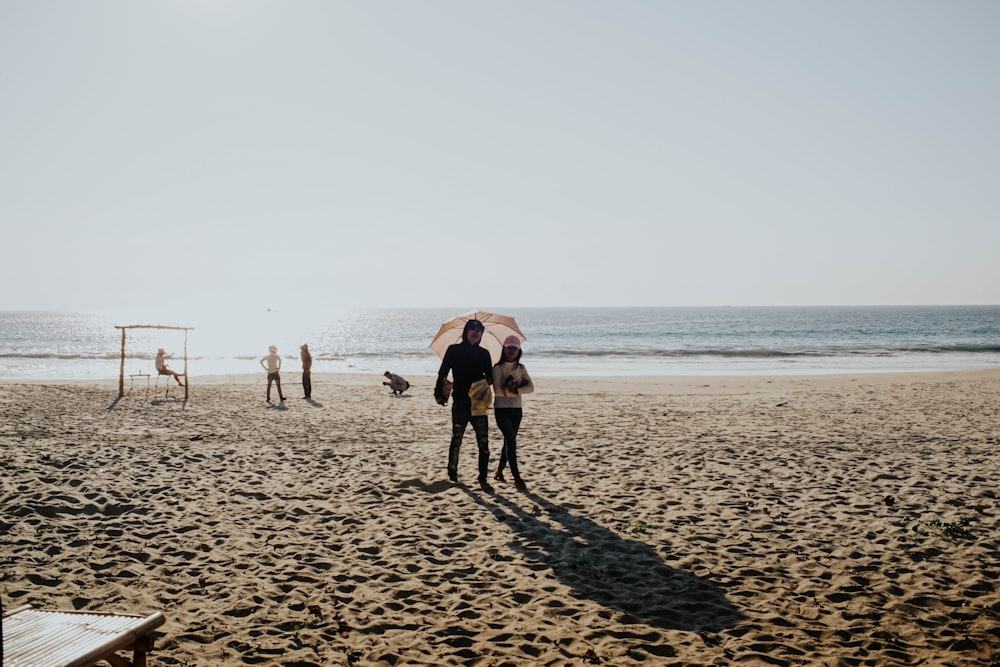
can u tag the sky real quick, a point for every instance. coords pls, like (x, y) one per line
(452, 153)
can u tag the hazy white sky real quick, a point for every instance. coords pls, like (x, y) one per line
(457, 153)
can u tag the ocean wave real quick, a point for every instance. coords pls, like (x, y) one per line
(75, 356)
(687, 353)
(962, 348)
(768, 353)
(85, 356)
(378, 354)
(567, 353)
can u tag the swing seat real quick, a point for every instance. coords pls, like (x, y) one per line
(168, 382)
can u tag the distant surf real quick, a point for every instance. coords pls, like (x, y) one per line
(560, 341)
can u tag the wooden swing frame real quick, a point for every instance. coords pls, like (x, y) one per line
(121, 372)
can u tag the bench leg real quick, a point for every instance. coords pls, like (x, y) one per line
(142, 646)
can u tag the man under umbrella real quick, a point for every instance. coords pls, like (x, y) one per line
(468, 363)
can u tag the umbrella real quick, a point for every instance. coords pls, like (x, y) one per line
(498, 327)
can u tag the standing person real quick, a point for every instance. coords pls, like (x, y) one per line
(468, 364)
(272, 364)
(161, 366)
(307, 364)
(510, 381)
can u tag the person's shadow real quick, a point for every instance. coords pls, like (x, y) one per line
(603, 565)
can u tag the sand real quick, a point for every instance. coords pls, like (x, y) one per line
(829, 520)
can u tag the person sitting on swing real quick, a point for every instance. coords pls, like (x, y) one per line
(162, 369)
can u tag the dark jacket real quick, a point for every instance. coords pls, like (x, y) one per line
(467, 364)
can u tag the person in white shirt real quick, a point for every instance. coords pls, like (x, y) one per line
(510, 382)
(272, 364)
(162, 369)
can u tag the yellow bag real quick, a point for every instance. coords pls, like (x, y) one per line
(481, 396)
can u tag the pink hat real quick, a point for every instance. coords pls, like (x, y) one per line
(512, 341)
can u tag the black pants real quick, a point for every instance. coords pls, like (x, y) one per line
(307, 385)
(461, 416)
(274, 377)
(509, 421)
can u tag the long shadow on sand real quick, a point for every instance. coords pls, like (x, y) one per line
(155, 401)
(617, 572)
(164, 401)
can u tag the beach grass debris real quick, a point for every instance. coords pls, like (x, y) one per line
(708, 639)
(343, 629)
(633, 527)
(954, 531)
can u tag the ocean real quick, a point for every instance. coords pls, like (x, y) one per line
(560, 341)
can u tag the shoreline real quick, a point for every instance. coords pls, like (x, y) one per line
(650, 369)
(650, 383)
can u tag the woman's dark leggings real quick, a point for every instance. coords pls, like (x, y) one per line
(509, 421)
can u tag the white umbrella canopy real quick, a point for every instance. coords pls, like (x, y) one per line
(498, 327)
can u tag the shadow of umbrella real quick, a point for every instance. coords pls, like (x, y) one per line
(618, 573)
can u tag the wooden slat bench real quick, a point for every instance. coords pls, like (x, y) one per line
(140, 375)
(40, 638)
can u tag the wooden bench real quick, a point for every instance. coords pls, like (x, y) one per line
(138, 374)
(35, 637)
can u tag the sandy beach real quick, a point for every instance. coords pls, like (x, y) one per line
(793, 520)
